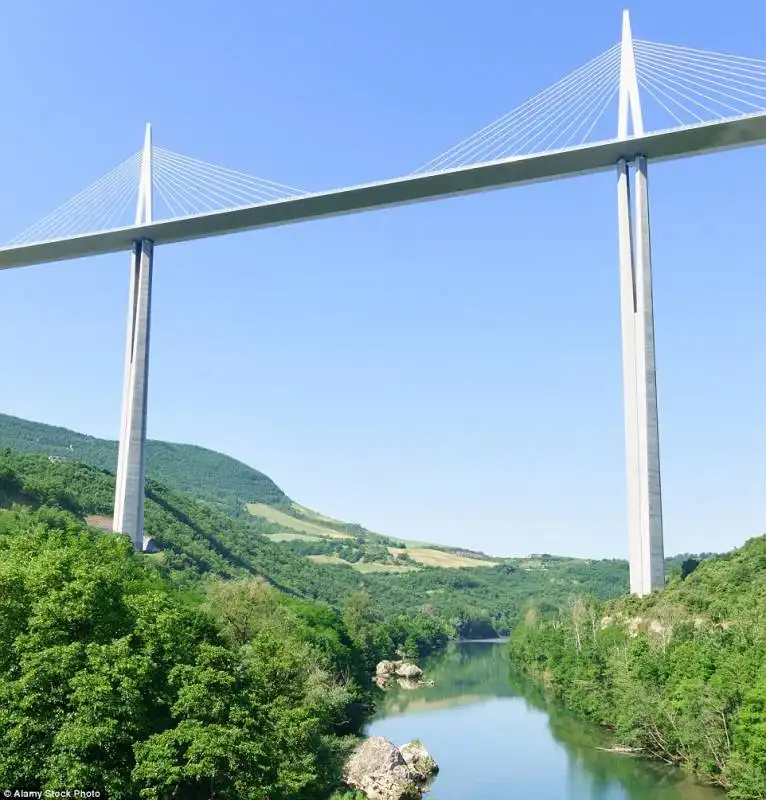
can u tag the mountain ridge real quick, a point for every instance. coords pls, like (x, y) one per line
(226, 483)
(245, 493)
(248, 484)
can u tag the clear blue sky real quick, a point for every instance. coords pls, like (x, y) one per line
(449, 371)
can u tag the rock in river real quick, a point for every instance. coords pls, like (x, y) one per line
(378, 768)
(409, 671)
(386, 670)
(419, 760)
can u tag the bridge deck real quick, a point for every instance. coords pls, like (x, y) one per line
(586, 159)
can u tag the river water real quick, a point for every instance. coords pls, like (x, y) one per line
(494, 738)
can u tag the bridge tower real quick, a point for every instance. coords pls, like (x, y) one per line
(642, 442)
(131, 458)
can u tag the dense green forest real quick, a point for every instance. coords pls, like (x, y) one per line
(679, 675)
(120, 674)
(198, 542)
(112, 679)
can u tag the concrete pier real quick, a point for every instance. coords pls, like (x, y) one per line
(131, 457)
(642, 445)
(131, 460)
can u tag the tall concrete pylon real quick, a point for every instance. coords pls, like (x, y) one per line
(131, 458)
(642, 441)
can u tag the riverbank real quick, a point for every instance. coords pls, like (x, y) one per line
(494, 736)
(678, 675)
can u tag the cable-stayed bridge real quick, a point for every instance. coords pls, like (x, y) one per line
(669, 102)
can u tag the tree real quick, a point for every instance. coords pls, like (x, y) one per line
(688, 566)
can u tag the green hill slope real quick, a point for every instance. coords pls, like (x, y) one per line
(197, 541)
(679, 675)
(240, 491)
(218, 479)
(211, 476)
(195, 538)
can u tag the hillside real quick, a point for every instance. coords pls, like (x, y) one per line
(255, 500)
(198, 541)
(679, 675)
(214, 477)
(239, 491)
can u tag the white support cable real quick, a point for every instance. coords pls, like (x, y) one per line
(65, 218)
(648, 82)
(525, 137)
(535, 116)
(80, 218)
(537, 107)
(608, 73)
(120, 203)
(744, 62)
(608, 102)
(182, 167)
(720, 67)
(532, 105)
(160, 190)
(657, 100)
(185, 188)
(663, 90)
(663, 78)
(288, 191)
(128, 202)
(197, 189)
(224, 186)
(69, 219)
(204, 195)
(196, 186)
(234, 176)
(235, 198)
(182, 193)
(604, 83)
(671, 88)
(179, 190)
(756, 78)
(607, 84)
(105, 206)
(650, 62)
(72, 209)
(596, 107)
(550, 132)
(471, 147)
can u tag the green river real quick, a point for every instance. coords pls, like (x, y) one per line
(494, 738)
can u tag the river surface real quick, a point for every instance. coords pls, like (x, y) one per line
(494, 738)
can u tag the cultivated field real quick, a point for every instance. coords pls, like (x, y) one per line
(323, 559)
(438, 558)
(300, 526)
(363, 566)
(294, 537)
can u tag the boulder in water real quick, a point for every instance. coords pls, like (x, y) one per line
(410, 671)
(377, 768)
(385, 669)
(419, 760)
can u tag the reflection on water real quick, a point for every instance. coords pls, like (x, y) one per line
(495, 738)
